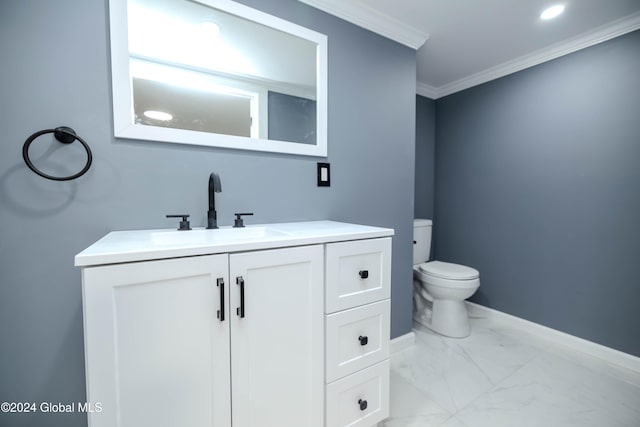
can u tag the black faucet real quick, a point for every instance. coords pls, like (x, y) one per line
(214, 187)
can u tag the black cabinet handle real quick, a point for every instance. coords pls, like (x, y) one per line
(221, 288)
(240, 310)
(364, 340)
(363, 404)
(220, 283)
(363, 274)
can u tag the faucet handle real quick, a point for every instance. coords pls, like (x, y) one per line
(237, 223)
(184, 224)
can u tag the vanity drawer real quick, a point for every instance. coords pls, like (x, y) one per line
(361, 399)
(358, 273)
(357, 338)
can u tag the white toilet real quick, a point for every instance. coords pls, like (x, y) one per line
(440, 288)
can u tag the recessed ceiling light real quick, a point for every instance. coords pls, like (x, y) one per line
(552, 12)
(158, 115)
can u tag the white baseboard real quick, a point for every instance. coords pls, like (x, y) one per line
(402, 342)
(591, 348)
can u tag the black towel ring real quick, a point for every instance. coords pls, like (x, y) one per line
(66, 135)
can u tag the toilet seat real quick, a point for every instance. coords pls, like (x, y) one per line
(459, 276)
(449, 271)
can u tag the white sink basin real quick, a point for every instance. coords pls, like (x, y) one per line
(220, 235)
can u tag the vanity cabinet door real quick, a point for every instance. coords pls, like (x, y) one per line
(157, 350)
(277, 341)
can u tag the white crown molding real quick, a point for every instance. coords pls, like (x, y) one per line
(598, 35)
(370, 19)
(427, 91)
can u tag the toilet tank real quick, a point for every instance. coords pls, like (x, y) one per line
(421, 240)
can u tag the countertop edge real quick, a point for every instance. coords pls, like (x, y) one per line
(106, 258)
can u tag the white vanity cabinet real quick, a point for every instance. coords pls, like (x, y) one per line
(235, 331)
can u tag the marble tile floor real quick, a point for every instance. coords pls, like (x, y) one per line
(501, 376)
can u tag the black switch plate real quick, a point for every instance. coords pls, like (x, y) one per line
(324, 175)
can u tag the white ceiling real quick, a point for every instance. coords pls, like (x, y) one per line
(462, 43)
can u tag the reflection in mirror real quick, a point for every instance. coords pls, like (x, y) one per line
(217, 73)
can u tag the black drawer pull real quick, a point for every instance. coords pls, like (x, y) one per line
(363, 274)
(363, 404)
(364, 340)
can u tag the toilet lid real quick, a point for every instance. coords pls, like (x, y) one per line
(447, 270)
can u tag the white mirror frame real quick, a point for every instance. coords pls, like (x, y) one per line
(123, 93)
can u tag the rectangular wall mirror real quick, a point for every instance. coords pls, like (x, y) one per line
(217, 73)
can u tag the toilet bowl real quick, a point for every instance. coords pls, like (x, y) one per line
(440, 299)
(440, 288)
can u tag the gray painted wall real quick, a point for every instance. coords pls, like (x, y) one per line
(55, 72)
(425, 157)
(538, 186)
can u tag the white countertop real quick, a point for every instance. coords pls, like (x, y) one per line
(142, 245)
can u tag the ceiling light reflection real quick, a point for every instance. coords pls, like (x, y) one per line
(552, 12)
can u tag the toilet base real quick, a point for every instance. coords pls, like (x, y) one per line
(450, 318)
(444, 317)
